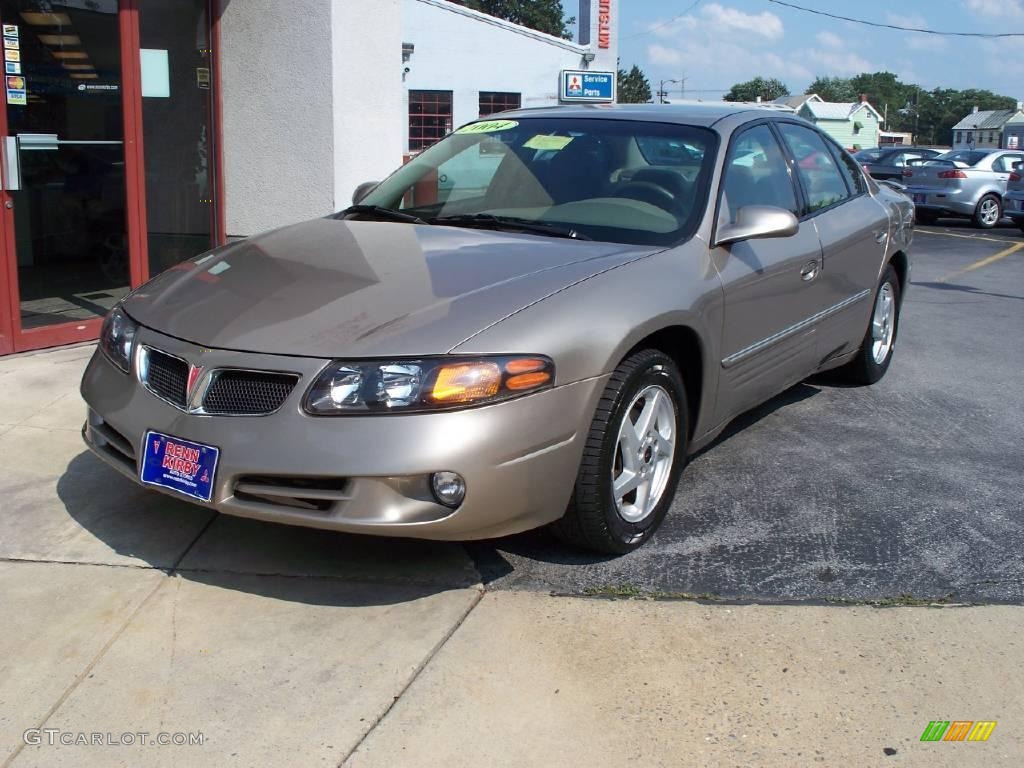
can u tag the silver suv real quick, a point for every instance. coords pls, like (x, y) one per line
(964, 182)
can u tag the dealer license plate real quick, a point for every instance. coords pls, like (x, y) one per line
(180, 465)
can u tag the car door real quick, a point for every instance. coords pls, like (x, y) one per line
(770, 291)
(854, 230)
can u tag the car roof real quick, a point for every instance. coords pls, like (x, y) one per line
(701, 113)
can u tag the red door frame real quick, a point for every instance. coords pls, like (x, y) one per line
(12, 337)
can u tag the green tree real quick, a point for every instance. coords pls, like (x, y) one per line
(543, 15)
(768, 90)
(633, 86)
(833, 89)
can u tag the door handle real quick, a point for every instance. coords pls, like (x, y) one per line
(881, 236)
(809, 271)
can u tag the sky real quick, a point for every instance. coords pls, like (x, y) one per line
(716, 44)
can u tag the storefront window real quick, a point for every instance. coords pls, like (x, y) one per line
(430, 118)
(178, 129)
(492, 102)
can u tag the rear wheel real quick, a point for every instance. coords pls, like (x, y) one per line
(876, 349)
(634, 454)
(988, 213)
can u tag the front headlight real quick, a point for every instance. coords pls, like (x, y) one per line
(118, 338)
(374, 386)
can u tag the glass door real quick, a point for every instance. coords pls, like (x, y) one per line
(66, 213)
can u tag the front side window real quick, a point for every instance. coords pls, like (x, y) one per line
(430, 118)
(822, 179)
(756, 173)
(612, 180)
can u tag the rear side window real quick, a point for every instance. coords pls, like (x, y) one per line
(852, 172)
(756, 173)
(821, 177)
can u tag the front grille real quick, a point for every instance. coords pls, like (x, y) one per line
(254, 393)
(167, 376)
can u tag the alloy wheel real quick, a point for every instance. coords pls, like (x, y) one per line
(644, 454)
(883, 323)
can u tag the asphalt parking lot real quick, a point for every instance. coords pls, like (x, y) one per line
(909, 489)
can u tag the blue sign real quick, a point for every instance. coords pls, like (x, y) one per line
(581, 85)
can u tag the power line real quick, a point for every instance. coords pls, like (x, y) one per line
(663, 24)
(988, 35)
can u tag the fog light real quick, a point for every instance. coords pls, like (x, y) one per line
(449, 488)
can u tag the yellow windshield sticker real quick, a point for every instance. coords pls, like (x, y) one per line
(488, 126)
(542, 142)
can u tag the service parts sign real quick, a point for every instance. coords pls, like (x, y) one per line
(583, 85)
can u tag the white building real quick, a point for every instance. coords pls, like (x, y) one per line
(174, 125)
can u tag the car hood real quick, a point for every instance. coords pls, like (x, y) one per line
(332, 288)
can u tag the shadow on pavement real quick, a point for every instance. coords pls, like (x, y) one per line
(307, 565)
(542, 546)
(965, 289)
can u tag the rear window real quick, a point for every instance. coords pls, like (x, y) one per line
(965, 157)
(870, 155)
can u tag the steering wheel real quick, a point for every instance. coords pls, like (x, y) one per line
(649, 192)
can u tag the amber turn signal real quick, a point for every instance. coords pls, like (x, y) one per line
(466, 383)
(526, 381)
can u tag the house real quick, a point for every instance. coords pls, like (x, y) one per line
(854, 124)
(894, 138)
(990, 129)
(795, 102)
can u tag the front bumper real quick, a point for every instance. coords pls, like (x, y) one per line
(1013, 206)
(519, 458)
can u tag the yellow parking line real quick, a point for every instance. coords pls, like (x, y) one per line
(983, 262)
(965, 237)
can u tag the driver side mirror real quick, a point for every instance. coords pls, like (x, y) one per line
(363, 190)
(756, 222)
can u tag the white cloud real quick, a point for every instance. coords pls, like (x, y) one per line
(1010, 9)
(829, 40)
(765, 24)
(662, 56)
(840, 62)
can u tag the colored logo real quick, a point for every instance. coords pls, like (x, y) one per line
(575, 86)
(958, 730)
(16, 82)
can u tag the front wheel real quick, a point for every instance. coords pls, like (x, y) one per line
(872, 361)
(988, 213)
(634, 454)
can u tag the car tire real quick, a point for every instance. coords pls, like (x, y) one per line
(876, 350)
(988, 212)
(925, 217)
(598, 518)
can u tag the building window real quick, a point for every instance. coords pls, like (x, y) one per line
(498, 101)
(959, 137)
(430, 118)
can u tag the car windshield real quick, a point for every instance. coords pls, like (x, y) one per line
(964, 158)
(613, 180)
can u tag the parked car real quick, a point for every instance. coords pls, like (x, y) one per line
(550, 349)
(964, 182)
(888, 164)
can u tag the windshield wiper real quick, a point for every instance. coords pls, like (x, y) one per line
(382, 212)
(507, 222)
